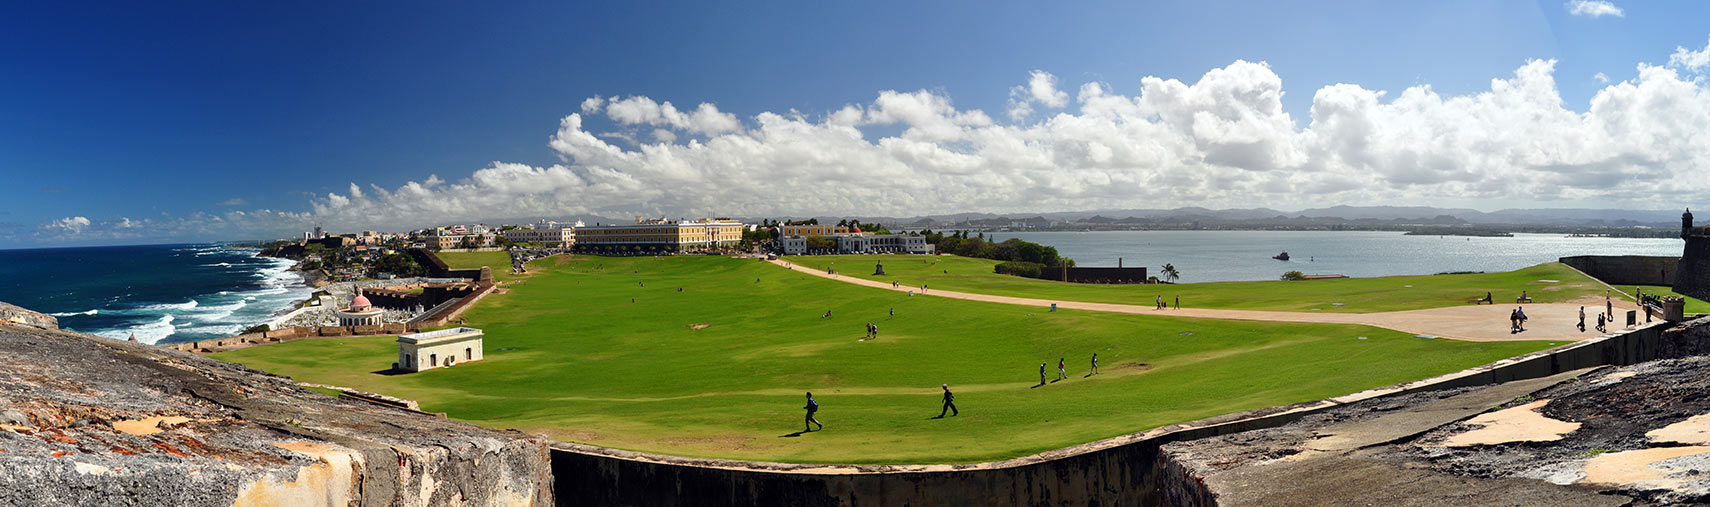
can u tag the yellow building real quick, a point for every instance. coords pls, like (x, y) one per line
(824, 231)
(661, 235)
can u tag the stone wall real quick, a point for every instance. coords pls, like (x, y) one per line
(1124, 470)
(289, 334)
(1694, 279)
(16, 315)
(1626, 269)
(1095, 275)
(93, 421)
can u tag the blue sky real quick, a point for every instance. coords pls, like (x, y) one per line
(189, 121)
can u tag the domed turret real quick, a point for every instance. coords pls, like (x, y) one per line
(1686, 223)
(360, 303)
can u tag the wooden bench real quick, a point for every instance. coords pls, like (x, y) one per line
(1523, 299)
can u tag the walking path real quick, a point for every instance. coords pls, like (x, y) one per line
(1546, 321)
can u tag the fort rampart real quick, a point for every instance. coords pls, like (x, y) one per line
(1124, 470)
(1094, 275)
(1627, 269)
(1694, 279)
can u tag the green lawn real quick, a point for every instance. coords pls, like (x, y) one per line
(569, 354)
(1693, 305)
(1545, 283)
(500, 262)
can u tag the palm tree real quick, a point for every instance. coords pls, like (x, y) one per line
(1169, 273)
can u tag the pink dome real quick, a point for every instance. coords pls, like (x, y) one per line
(360, 303)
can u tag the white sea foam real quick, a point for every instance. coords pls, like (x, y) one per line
(147, 333)
(170, 306)
(68, 314)
(222, 330)
(217, 313)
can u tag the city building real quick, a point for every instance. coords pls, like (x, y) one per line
(882, 243)
(438, 349)
(661, 235)
(558, 237)
(805, 230)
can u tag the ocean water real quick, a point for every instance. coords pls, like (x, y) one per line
(1216, 256)
(161, 293)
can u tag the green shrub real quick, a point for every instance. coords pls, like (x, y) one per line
(1020, 268)
(1294, 275)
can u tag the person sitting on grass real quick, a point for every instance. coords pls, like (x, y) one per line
(812, 406)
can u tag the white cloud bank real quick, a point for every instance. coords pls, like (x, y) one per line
(1221, 141)
(1594, 8)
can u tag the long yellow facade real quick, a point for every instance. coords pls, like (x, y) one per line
(672, 235)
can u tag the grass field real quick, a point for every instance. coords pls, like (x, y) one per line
(499, 261)
(1356, 295)
(1693, 305)
(719, 368)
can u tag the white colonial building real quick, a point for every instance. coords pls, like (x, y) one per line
(438, 349)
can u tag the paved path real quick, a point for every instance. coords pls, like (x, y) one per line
(1546, 321)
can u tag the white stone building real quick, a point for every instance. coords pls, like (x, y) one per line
(438, 349)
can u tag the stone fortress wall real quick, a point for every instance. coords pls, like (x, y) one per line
(1626, 269)
(1694, 279)
(13, 314)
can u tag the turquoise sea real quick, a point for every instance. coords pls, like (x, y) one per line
(1216, 256)
(160, 293)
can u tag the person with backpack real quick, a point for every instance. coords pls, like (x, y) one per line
(949, 403)
(812, 406)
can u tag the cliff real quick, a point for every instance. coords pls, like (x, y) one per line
(92, 421)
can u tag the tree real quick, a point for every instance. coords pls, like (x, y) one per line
(398, 264)
(1169, 272)
(1294, 275)
(820, 243)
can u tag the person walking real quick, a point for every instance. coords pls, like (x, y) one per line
(812, 407)
(893, 312)
(1521, 312)
(1062, 368)
(1041, 373)
(1158, 303)
(1600, 323)
(1095, 363)
(1513, 321)
(1609, 306)
(949, 403)
(1178, 302)
(1582, 319)
(874, 329)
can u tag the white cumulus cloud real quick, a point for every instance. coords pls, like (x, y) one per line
(1692, 61)
(1594, 8)
(1221, 140)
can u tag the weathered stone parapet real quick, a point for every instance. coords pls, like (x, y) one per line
(12, 314)
(92, 421)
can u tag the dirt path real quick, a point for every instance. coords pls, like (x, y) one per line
(1545, 321)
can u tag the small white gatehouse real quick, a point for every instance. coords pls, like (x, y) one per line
(438, 349)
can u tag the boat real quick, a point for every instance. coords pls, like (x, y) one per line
(1281, 257)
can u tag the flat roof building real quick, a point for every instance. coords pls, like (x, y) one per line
(661, 235)
(438, 349)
